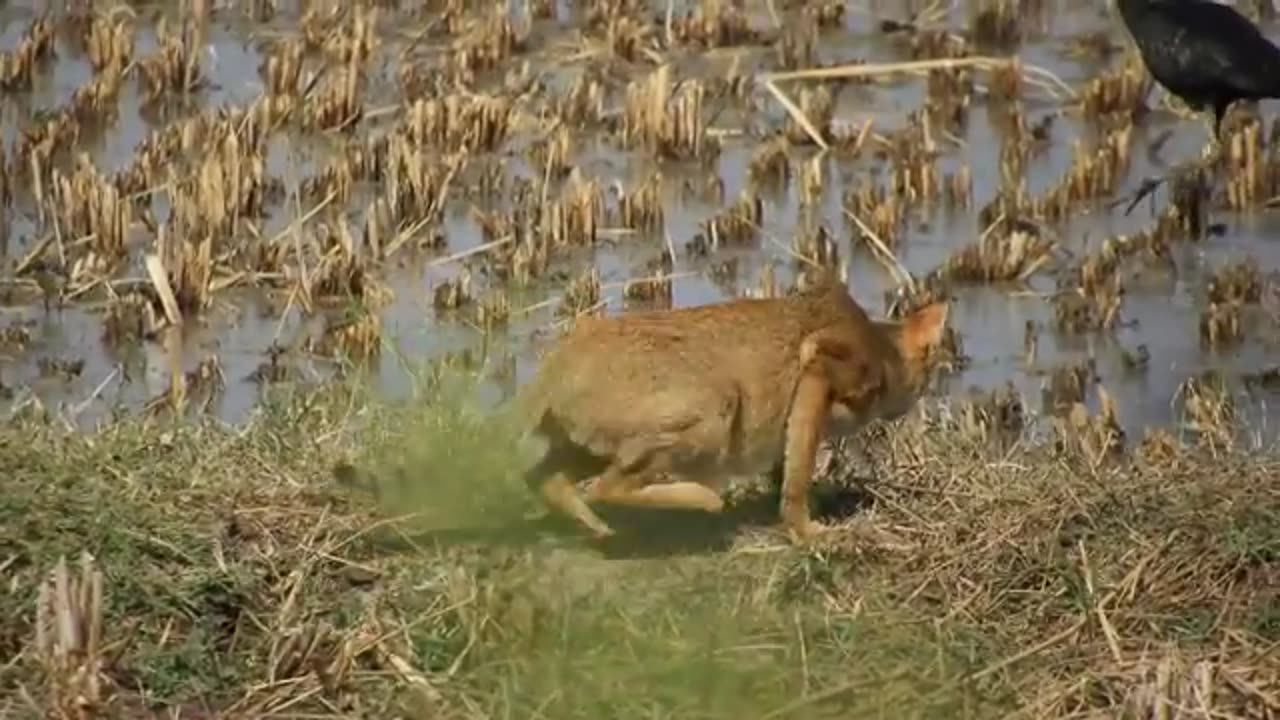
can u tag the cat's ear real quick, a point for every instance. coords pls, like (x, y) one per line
(922, 330)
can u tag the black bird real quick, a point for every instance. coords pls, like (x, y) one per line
(1206, 53)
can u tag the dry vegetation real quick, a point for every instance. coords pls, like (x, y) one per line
(484, 170)
(1093, 576)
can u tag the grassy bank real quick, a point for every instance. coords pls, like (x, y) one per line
(238, 579)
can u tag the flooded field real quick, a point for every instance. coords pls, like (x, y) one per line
(321, 184)
(203, 201)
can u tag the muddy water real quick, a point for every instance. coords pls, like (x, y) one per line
(1161, 311)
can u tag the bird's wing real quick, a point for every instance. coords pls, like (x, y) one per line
(1208, 43)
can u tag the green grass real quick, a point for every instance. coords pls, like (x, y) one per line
(445, 456)
(240, 577)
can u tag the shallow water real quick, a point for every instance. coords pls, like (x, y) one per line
(1161, 312)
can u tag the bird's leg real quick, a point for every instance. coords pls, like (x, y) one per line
(1215, 138)
(1208, 157)
(1148, 186)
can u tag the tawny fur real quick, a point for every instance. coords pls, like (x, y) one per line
(661, 408)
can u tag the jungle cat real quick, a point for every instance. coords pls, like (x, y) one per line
(660, 408)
